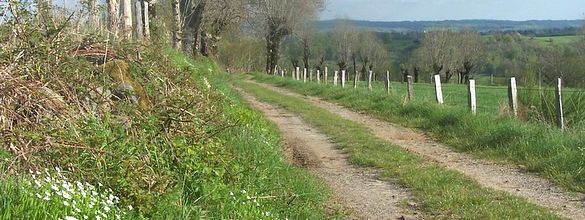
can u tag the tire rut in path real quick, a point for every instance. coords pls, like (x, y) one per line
(356, 189)
(506, 178)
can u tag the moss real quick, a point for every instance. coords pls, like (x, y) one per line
(119, 71)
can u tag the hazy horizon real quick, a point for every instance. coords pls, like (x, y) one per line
(440, 10)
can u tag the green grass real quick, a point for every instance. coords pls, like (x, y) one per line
(442, 193)
(283, 190)
(210, 172)
(557, 40)
(539, 148)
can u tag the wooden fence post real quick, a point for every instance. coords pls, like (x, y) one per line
(355, 79)
(342, 78)
(472, 97)
(560, 114)
(388, 83)
(298, 74)
(335, 78)
(370, 80)
(326, 72)
(438, 89)
(513, 96)
(305, 75)
(410, 88)
(318, 77)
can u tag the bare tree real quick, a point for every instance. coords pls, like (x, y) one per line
(345, 36)
(192, 13)
(435, 52)
(468, 54)
(219, 16)
(278, 18)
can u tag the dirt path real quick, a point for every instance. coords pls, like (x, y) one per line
(358, 190)
(500, 177)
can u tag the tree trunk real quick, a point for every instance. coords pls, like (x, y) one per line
(113, 18)
(199, 46)
(272, 49)
(127, 19)
(306, 52)
(177, 25)
(203, 39)
(146, 10)
(152, 8)
(93, 13)
(138, 19)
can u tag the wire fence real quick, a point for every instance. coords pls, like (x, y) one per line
(553, 105)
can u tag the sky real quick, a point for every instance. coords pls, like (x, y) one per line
(431, 10)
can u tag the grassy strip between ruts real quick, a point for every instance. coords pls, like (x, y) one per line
(442, 193)
(558, 156)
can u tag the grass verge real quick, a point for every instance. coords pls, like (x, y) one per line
(558, 156)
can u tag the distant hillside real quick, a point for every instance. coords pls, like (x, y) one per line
(478, 25)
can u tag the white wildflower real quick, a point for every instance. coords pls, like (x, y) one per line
(66, 195)
(70, 218)
(39, 196)
(85, 217)
(130, 207)
(106, 208)
(65, 203)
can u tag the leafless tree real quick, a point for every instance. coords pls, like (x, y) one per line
(277, 18)
(468, 54)
(345, 36)
(435, 52)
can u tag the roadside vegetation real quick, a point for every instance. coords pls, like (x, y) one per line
(98, 129)
(440, 193)
(538, 148)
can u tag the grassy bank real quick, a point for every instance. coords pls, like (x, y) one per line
(441, 193)
(556, 155)
(197, 152)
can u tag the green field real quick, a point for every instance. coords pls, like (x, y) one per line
(556, 40)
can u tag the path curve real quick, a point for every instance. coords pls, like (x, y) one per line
(357, 189)
(489, 174)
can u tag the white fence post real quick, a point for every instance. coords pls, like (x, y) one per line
(310, 75)
(472, 97)
(370, 80)
(318, 77)
(298, 74)
(410, 88)
(388, 83)
(513, 96)
(438, 89)
(560, 114)
(355, 79)
(335, 78)
(305, 75)
(342, 78)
